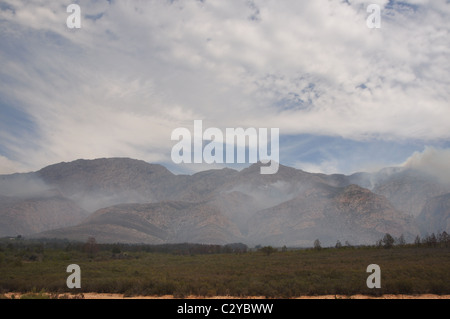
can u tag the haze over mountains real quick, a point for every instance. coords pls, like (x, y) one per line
(126, 200)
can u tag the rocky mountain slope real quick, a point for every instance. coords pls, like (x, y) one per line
(351, 214)
(435, 215)
(164, 222)
(98, 183)
(134, 201)
(408, 190)
(23, 216)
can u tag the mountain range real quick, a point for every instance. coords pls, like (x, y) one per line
(132, 201)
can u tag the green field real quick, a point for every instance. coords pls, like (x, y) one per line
(132, 271)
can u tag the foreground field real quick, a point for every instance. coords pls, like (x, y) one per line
(288, 274)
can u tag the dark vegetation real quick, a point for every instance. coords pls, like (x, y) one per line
(209, 270)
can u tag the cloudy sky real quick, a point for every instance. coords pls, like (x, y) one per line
(345, 97)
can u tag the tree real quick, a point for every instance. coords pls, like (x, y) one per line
(317, 245)
(237, 248)
(401, 240)
(338, 244)
(268, 250)
(388, 241)
(417, 241)
(444, 239)
(433, 240)
(430, 240)
(91, 247)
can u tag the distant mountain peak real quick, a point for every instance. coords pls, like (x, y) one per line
(105, 163)
(256, 167)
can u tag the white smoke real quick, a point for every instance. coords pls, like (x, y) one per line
(433, 161)
(24, 185)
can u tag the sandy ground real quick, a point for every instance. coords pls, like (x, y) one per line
(119, 296)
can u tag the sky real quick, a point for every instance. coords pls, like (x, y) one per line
(344, 96)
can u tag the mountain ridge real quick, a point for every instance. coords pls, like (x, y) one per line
(112, 200)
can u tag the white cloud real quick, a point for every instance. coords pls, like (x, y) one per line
(126, 79)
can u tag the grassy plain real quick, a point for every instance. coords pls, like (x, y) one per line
(281, 274)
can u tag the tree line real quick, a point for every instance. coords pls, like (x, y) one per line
(92, 247)
(441, 239)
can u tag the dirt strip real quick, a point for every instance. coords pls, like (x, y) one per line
(120, 296)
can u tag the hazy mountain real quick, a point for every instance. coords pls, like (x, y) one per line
(24, 216)
(105, 182)
(165, 222)
(134, 201)
(408, 190)
(330, 214)
(26, 185)
(435, 216)
(204, 185)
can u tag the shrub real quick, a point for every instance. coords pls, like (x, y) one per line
(317, 245)
(268, 250)
(403, 287)
(35, 296)
(388, 241)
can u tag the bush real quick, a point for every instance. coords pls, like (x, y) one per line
(268, 250)
(317, 245)
(403, 287)
(18, 262)
(439, 288)
(35, 296)
(388, 241)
